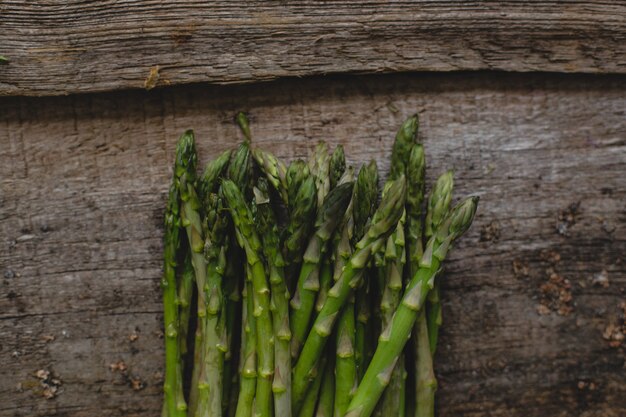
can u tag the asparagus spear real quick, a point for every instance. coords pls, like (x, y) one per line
(319, 165)
(405, 138)
(303, 301)
(248, 360)
(345, 364)
(394, 337)
(209, 180)
(302, 197)
(383, 220)
(274, 170)
(213, 343)
(395, 257)
(240, 168)
(326, 269)
(426, 384)
(268, 230)
(414, 200)
(365, 198)
(416, 171)
(185, 172)
(337, 166)
(249, 240)
(173, 378)
(244, 125)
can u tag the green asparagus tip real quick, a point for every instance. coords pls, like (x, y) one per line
(186, 157)
(405, 138)
(337, 165)
(410, 126)
(390, 209)
(439, 202)
(335, 203)
(212, 173)
(244, 125)
(462, 216)
(240, 166)
(365, 196)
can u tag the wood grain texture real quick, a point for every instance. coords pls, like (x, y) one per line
(63, 47)
(83, 187)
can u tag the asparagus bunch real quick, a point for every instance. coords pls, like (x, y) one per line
(394, 336)
(288, 263)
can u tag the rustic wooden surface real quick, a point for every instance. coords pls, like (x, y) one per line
(75, 46)
(83, 182)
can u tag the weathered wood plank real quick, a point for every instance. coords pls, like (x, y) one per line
(75, 46)
(83, 182)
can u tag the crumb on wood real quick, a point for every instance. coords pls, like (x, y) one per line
(48, 384)
(550, 256)
(490, 232)
(136, 383)
(567, 218)
(601, 279)
(47, 338)
(615, 332)
(133, 336)
(133, 381)
(520, 268)
(555, 294)
(587, 385)
(153, 78)
(119, 366)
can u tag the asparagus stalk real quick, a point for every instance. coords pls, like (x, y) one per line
(235, 270)
(173, 378)
(248, 360)
(308, 285)
(185, 172)
(434, 317)
(416, 172)
(395, 257)
(395, 335)
(426, 384)
(326, 280)
(308, 406)
(213, 344)
(206, 385)
(249, 240)
(185, 292)
(326, 271)
(365, 198)
(326, 400)
(383, 220)
(345, 363)
(268, 229)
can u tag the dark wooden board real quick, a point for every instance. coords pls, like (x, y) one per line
(83, 183)
(66, 47)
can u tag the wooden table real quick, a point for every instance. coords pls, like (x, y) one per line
(534, 295)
